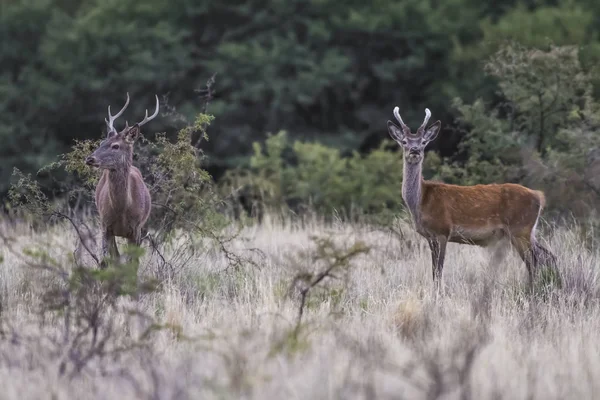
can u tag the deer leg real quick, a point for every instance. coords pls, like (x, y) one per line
(114, 250)
(435, 251)
(437, 245)
(525, 249)
(104, 250)
(109, 247)
(135, 239)
(543, 256)
(441, 257)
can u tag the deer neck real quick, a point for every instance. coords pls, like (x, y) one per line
(412, 183)
(118, 181)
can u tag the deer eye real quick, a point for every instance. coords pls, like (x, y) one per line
(404, 141)
(115, 146)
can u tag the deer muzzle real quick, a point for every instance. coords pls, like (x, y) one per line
(414, 156)
(91, 160)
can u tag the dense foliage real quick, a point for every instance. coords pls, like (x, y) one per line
(501, 76)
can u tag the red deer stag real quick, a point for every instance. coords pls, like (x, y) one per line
(479, 215)
(122, 198)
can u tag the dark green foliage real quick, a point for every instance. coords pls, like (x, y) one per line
(322, 71)
(331, 71)
(323, 68)
(544, 131)
(318, 176)
(182, 191)
(63, 63)
(310, 176)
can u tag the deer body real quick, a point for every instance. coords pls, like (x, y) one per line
(479, 215)
(122, 198)
(123, 201)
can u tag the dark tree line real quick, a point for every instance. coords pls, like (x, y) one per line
(325, 70)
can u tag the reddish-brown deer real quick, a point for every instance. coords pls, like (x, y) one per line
(122, 198)
(479, 215)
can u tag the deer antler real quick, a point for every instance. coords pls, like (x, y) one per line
(111, 118)
(146, 118)
(426, 120)
(399, 118)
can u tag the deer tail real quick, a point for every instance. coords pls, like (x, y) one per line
(541, 197)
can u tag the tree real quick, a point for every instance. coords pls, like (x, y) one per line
(542, 130)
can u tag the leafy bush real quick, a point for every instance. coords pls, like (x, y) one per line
(186, 212)
(303, 175)
(543, 132)
(182, 192)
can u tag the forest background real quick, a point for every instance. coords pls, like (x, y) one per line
(300, 92)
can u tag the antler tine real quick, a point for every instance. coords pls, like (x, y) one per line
(426, 120)
(398, 117)
(146, 118)
(111, 118)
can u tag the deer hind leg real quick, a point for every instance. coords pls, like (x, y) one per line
(524, 247)
(543, 256)
(437, 245)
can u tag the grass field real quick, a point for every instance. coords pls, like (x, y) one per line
(375, 332)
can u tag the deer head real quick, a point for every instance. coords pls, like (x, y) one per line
(413, 144)
(116, 150)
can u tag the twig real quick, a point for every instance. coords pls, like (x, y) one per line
(154, 246)
(327, 252)
(83, 242)
(207, 96)
(234, 260)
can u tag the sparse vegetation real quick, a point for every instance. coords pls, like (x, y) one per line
(372, 331)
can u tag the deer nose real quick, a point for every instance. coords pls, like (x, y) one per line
(91, 160)
(414, 150)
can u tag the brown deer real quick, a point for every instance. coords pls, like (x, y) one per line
(122, 198)
(479, 215)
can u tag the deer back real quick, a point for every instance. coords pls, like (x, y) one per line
(446, 207)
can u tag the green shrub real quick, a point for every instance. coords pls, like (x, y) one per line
(542, 133)
(183, 196)
(303, 175)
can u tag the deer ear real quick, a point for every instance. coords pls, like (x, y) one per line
(395, 132)
(432, 132)
(132, 134)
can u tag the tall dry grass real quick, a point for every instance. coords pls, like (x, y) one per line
(377, 332)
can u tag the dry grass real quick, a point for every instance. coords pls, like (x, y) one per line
(376, 333)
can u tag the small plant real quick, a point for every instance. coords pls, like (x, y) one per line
(83, 306)
(329, 261)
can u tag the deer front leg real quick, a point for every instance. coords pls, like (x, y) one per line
(135, 239)
(106, 244)
(437, 245)
(109, 248)
(114, 250)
